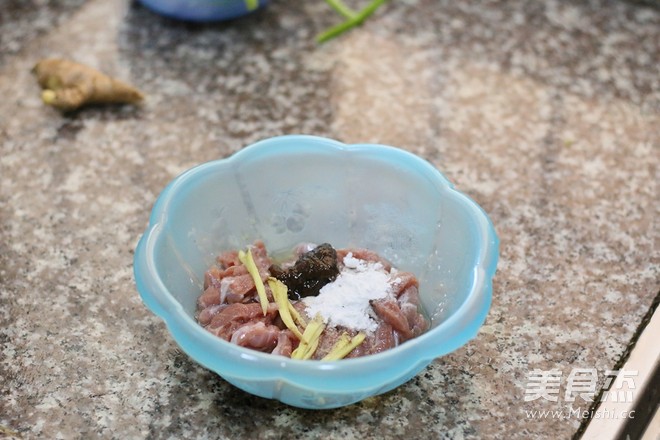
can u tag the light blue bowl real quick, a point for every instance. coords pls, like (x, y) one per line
(203, 10)
(293, 189)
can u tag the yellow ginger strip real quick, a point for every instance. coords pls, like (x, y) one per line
(248, 261)
(313, 342)
(279, 290)
(343, 346)
(341, 343)
(310, 339)
(296, 316)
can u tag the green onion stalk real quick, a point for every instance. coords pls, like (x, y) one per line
(352, 18)
(251, 5)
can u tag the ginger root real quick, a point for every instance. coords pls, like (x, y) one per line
(68, 85)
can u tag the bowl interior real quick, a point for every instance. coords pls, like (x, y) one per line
(289, 192)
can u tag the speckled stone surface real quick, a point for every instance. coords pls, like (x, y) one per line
(546, 113)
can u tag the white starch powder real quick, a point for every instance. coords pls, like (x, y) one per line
(345, 301)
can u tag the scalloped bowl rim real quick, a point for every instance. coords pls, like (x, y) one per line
(263, 367)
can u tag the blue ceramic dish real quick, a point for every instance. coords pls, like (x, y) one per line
(203, 10)
(293, 189)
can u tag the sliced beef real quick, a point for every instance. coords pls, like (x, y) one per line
(232, 279)
(210, 297)
(206, 315)
(232, 284)
(285, 343)
(389, 311)
(212, 277)
(410, 304)
(403, 314)
(234, 316)
(243, 313)
(402, 281)
(383, 339)
(261, 258)
(364, 254)
(228, 259)
(233, 271)
(234, 289)
(257, 336)
(226, 330)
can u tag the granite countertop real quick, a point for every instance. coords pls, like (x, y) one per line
(546, 113)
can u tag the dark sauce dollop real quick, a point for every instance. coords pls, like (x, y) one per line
(313, 270)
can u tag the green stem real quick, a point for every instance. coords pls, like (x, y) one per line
(340, 6)
(356, 20)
